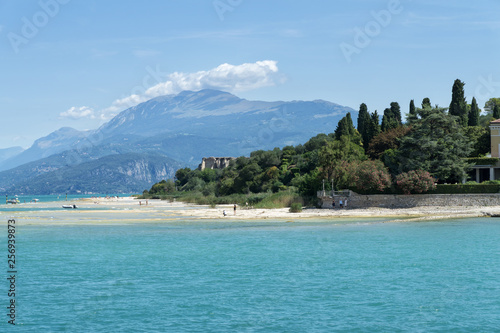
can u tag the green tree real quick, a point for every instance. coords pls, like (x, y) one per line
(427, 109)
(485, 120)
(315, 143)
(474, 113)
(372, 176)
(426, 103)
(364, 124)
(182, 176)
(374, 125)
(266, 159)
(496, 112)
(245, 181)
(479, 137)
(392, 117)
(490, 104)
(343, 175)
(336, 152)
(396, 112)
(438, 145)
(386, 122)
(194, 184)
(458, 105)
(386, 140)
(345, 127)
(309, 183)
(208, 175)
(412, 114)
(165, 186)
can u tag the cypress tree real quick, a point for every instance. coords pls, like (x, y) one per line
(396, 113)
(458, 105)
(345, 127)
(392, 117)
(364, 124)
(385, 122)
(374, 125)
(474, 113)
(349, 123)
(363, 110)
(412, 114)
(496, 112)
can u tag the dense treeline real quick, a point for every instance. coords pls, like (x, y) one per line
(430, 146)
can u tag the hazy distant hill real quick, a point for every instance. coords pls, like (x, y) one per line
(183, 127)
(7, 153)
(54, 143)
(125, 173)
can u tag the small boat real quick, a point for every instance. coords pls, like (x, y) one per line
(69, 206)
(13, 201)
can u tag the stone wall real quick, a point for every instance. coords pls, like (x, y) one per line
(215, 162)
(408, 201)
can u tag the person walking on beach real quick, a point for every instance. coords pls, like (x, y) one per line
(345, 203)
(234, 208)
(333, 204)
(340, 203)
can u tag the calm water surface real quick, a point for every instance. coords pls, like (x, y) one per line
(343, 276)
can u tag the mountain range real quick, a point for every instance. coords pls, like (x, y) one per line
(157, 137)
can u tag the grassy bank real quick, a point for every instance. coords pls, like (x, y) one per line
(257, 200)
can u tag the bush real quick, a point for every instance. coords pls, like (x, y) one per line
(372, 176)
(482, 160)
(491, 182)
(165, 186)
(296, 207)
(466, 189)
(279, 200)
(415, 181)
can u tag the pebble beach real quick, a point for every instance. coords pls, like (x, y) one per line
(132, 210)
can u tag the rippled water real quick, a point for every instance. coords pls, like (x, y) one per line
(356, 276)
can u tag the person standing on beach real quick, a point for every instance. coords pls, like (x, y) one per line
(234, 208)
(333, 204)
(340, 203)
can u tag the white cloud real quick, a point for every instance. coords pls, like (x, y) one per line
(226, 77)
(78, 112)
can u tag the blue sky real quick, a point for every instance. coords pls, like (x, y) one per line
(77, 63)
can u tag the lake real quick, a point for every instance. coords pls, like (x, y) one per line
(257, 276)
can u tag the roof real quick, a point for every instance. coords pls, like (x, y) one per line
(495, 122)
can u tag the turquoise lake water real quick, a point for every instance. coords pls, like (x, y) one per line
(220, 276)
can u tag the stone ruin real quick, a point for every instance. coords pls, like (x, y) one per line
(215, 163)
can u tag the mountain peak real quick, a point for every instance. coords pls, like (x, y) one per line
(211, 112)
(206, 97)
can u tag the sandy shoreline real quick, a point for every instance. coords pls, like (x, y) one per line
(242, 213)
(131, 210)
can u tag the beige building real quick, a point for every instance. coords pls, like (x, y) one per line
(481, 173)
(495, 138)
